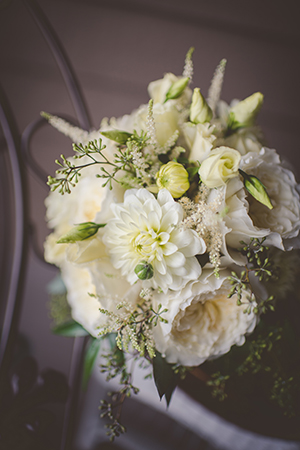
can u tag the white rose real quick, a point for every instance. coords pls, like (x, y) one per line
(221, 165)
(203, 323)
(281, 187)
(199, 139)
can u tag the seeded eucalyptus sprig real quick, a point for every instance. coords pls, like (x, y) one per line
(69, 172)
(260, 265)
(116, 366)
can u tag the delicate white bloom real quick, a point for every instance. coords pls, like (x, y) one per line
(236, 224)
(221, 165)
(199, 139)
(281, 187)
(203, 322)
(146, 229)
(247, 139)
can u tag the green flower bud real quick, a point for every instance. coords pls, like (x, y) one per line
(200, 111)
(174, 177)
(244, 113)
(255, 187)
(177, 88)
(144, 270)
(80, 232)
(121, 137)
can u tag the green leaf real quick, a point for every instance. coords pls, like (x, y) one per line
(255, 187)
(89, 360)
(164, 377)
(70, 329)
(121, 137)
(192, 171)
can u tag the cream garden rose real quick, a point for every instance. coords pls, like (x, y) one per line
(221, 165)
(203, 322)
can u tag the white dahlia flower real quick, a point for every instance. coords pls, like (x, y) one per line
(144, 228)
(203, 322)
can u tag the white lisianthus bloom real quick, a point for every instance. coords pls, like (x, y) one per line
(237, 225)
(158, 89)
(199, 140)
(221, 165)
(246, 139)
(203, 323)
(144, 228)
(281, 187)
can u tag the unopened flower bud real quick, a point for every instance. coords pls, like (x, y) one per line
(200, 111)
(177, 88)
(144, 270)
(244, 113)
(255, 187)
(80, 232)
(174, 177)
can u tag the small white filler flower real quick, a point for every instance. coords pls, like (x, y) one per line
(146, 230)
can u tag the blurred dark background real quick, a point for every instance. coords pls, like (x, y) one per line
(116, 48)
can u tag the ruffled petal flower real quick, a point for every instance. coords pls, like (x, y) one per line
(148, 229)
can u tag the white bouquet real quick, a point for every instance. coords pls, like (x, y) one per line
(175, 227)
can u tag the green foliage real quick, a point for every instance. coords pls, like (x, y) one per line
(267, 363)
(69, 172)
(165, 377)
(121, 137)
(59, 309)
(70, 329)
(91, 354)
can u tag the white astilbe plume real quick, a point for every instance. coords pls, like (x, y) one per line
(170, 142)
(76, 134)
(188, 69)
(203, 217)
(215, 88)
(151, 125)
